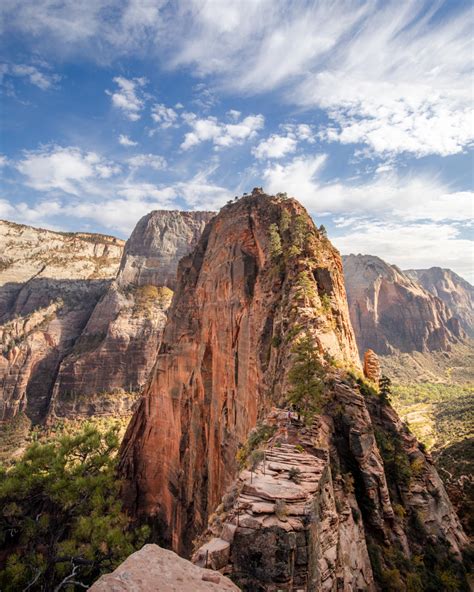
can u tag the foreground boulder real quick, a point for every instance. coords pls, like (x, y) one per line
(153, 569)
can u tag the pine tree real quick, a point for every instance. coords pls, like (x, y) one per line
(306, 378)
(61, 523)
(275, 242)
(385, 388)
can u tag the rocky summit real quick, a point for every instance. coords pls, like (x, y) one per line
(390, 312)
(226, 459)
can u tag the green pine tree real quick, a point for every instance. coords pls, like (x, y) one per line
(306, 378)
(61, 521)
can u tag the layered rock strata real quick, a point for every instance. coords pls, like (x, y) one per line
(392, 313)
(50, 283)
(372, 369)
(117, 348)
(260, 273)
(453, 290)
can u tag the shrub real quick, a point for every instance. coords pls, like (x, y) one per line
(275, 242)
(294, 474)
(61, 518)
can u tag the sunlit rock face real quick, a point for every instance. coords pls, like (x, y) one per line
(50, 283)
(391, 312)
(453, 290)
(225, 353)
(117, 348)
(321, 496)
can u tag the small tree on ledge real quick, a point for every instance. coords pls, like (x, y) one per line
(306, 378)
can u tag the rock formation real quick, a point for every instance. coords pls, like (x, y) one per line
(75, 343)
(224, 352)
(117, 348)
(453, 290)
(49, 285)
(372, 369)
(153, 569)
(392, 313)
(335, 504)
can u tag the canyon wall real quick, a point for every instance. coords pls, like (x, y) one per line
(117, 348)
(392, 313)
(453, 290)
(260, 271)
(335, 502)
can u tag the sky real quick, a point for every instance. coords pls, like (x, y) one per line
(360, 110)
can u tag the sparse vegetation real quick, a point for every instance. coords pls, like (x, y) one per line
(306, 378)
(61, 523)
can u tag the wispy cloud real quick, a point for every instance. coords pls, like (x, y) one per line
(221, 134)
(126, 141)
(129, 96)
(152, 161)
(40, 76)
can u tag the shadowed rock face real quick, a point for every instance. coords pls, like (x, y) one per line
(390, 312)
(323, 495)
(224, 356)
(453, 290)
(75, 343)
(49, 285)
(117, 349)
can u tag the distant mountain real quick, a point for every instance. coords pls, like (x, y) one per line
(391, 312)
(452, 289)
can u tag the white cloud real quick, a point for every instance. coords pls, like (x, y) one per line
(274, 147)
(126, 141)
(222, 135)
(395, 76)
(3, 160)
(388, 194)
(298, 178)
(165, 116)
(38, 76)
(411, 245)
(152, 161)
(68, 169)
(129, 96)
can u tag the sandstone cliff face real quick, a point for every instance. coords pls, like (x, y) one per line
(49, 285)
(224, 352)
(116, 350)
(391, 313)
(337, 504)
(453, 290)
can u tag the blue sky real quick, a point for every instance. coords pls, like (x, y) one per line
(361, 110)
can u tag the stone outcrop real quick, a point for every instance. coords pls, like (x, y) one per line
(372, 369)
(260, 274)
(344, 503)
(453, 290)
(153, 569)
(322, 506)
(77, 342)
(392, 313)
(117, 348)
(49, 285)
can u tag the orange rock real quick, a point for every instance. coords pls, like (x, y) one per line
(372, 366)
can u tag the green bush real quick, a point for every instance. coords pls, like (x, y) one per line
(61, 520)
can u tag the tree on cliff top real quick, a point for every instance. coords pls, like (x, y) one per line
(61, 523)
(306, 378)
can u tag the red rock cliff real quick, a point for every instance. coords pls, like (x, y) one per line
(260, 271)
